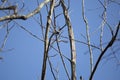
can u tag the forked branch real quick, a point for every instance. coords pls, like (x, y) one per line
(46, 42)
(23, 17)
(111, 42)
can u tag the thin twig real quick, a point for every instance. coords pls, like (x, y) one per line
(22, 27)
(6, 36)
(59, 50)
(51, 68)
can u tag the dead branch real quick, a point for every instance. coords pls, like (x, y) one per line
(14, 7)
(111, 42)
(103, 22)
(51, 68)
(23, 17)
(61, 56)
(46, 46)
(88, 37)
(72, 42)
(6, 36)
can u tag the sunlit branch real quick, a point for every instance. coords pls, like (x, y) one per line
(46, 46)
(88, 37)
(103, 22)
(24, 17)
(71, 39)
(56, 33)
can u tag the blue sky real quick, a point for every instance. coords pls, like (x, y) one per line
(24, 62)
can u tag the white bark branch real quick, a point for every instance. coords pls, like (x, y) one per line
(24, 17)
(72, 42)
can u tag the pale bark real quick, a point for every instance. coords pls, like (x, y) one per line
(46, 42)
(23, 17)
(72, 42)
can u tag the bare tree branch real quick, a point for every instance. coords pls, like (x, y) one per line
(72, 42)
(62, 58)
(88, 37)
(23, 17)
(35, 36)
(46, 46)
(51, 68)
(6, 36)
(57, 35)
(105, 49)
(103, 22)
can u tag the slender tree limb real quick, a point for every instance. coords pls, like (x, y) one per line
(33, 35)
(78, 41)
(6, 36)
(24, 17)
(105, 49)
(88, 37)
(51, 69)
(103, 22)
(46, 46)
(61, 56)
(57, 35)
(72, 42)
